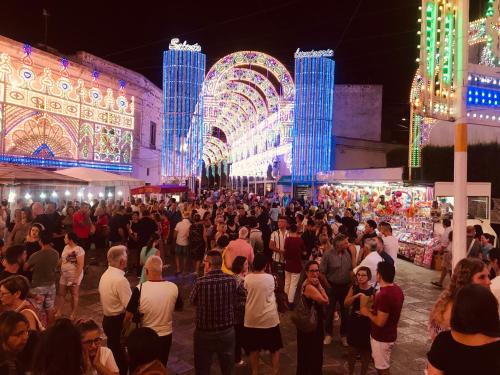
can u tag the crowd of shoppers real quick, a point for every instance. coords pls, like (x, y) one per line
(251, 259)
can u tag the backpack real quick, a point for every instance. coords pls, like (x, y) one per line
(196, 234)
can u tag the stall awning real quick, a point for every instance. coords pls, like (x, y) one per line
(96, 177)
(11, 174)
(159, 189)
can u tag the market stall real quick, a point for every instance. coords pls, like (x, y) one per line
(101, 184)
(32, 184)
(413, 210)
(159, 192)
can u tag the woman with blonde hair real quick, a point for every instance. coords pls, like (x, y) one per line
(467, 271)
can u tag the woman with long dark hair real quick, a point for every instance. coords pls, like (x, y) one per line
(473, 344)
(59, 351)
(310, 344)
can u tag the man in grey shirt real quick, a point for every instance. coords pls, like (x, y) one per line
(336, 268)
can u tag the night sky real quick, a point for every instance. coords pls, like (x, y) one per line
(374, 41)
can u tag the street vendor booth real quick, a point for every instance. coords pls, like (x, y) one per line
(413, 210)
(32, 184)
(159, 192)
(101, 184)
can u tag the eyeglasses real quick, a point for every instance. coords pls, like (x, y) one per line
(315, 271)
(361, 275)
(95, 341)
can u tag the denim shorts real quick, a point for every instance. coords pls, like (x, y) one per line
(44, 297)
(182, 251)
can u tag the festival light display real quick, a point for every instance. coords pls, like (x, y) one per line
(61, 118)
(249, 96)
(312, 141)
(432, 94)
(183, 75)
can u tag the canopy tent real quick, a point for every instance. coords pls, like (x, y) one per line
(96, 177)
(159, 189)
(11, 174)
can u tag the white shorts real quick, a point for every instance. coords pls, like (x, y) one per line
(381, 353)
(69, 279)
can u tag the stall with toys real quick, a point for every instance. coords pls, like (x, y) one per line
(413, 210)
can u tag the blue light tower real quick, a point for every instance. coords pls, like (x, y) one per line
(183, 75)
(312, 132)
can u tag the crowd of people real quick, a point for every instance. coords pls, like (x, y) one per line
(254, 260)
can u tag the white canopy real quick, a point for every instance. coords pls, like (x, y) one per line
(96, 177)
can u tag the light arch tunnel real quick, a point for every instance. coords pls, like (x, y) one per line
(248, 100)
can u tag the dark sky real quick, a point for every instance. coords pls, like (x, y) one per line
(374, 41)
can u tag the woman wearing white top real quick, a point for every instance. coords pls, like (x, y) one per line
(97, 359)
(262, 331)
(72, 261)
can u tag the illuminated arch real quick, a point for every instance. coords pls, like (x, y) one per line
(250, 96)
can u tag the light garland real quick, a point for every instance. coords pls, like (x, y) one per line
(51, 117)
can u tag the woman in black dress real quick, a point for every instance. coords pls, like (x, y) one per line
(310, 344)
(358, 334)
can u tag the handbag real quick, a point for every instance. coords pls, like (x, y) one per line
(305, 316)
(136, 321)
(281, 297)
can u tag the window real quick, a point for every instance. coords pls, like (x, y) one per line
(152, 135)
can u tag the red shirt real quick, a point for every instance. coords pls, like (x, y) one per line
(81, 225)
(388, 300)
(294, 247)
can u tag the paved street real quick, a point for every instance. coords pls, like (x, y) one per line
(408, 355)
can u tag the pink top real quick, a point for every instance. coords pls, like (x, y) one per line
(237, 248)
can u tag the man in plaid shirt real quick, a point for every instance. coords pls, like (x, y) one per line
(215, 298)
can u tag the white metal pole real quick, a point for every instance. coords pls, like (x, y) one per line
(460, 165)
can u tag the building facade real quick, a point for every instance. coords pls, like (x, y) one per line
(59, 112)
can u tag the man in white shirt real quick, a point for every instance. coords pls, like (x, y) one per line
(371, 260)
(181, 238)
(156, 300)
(494, 257)
(277, 246)
(114, 292)
(391, 243)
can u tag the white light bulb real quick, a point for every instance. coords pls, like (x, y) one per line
(80, 194)
(110, 195)
(43, 195)
(67, 193)
(54, 194)
(27, 196)
(101, 194)
(120, 193)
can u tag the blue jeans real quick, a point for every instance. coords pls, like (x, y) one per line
(208, 343)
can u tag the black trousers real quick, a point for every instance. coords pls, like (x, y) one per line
(165, 345)
(112, 327)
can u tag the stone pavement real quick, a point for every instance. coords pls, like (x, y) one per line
(409, 355)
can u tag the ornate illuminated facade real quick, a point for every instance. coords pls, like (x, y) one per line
(313, 127)
(249, 97)
(433, 90)
(58, 113)
(183, 74)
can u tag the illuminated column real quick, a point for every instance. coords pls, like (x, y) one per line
(312, 132)
(183, 74)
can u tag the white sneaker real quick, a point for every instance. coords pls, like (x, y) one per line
(343, 341)
(327, 340)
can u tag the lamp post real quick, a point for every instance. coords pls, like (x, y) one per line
(460, 152)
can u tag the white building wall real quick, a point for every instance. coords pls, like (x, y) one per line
(358, 111)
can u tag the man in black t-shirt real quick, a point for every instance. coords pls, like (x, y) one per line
(350, 223)
(145, 229)
(118, 227)
(52, 223)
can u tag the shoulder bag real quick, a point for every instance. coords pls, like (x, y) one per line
(305, 316)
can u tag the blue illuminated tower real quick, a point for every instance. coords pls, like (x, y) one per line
(183, 74)
(312, 131)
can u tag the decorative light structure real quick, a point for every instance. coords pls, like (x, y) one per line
(53, 116)
(183, 74)
(312, 142)
(432, 94)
